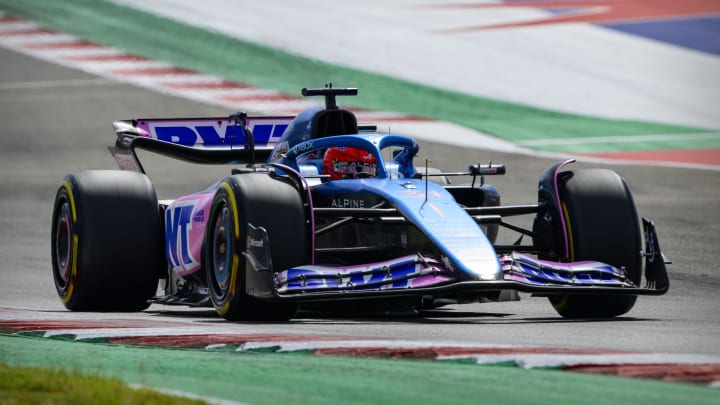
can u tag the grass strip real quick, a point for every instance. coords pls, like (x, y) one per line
(35, 385)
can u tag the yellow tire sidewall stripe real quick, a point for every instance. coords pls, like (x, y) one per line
(235, 257)
(571, 244)
(68, 188)
(563, 305)
(75, 244)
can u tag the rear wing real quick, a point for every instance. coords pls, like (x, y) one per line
(236, 139)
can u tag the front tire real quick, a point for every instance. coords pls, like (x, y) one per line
(258, 200)
(106, 241)
(603, 225)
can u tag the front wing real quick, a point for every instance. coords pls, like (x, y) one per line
(416, 275)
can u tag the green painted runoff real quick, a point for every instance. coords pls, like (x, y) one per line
(291, 378)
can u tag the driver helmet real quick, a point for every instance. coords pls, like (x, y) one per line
(348, 163)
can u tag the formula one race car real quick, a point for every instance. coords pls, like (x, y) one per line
(337, 213)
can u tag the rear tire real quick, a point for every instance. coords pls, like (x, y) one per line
(107, 241)
(602, 225)
(259, 200)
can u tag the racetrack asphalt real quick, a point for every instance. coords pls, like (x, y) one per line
(57, 120)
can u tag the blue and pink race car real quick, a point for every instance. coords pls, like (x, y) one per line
(320, 212)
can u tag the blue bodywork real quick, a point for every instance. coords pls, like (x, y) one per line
(427, 205)
(434, 211)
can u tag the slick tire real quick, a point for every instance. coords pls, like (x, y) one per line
(107, 241)
(264, 202)
(602, 225)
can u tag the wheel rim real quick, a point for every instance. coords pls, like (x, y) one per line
(63, 242)
(221, 251)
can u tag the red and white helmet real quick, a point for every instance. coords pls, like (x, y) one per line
(348, 163)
